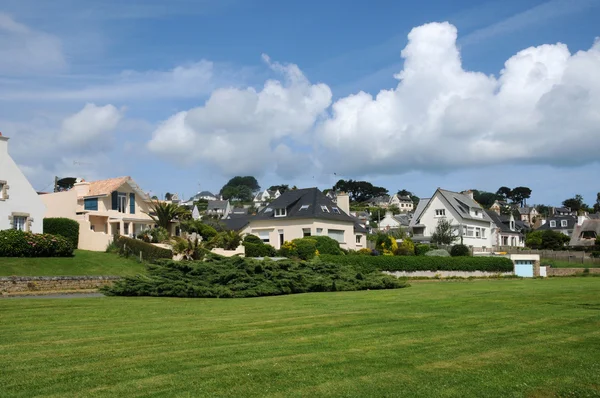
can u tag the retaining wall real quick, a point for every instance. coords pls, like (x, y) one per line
(569, 271)
(22, 284)
(446, 274)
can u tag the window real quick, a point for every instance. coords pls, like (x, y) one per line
(305, 232)
(476, 212)
(358, 237)
(336, 234)
(90, 204)
(512, 225)
(132, 203)
(3, 189)
(563, 223)
(20, 223)
(264, 236)
(552, 224)
(401, 204)
(280, 213)
(325, 209)
(304, 207)
(470, 231)
(268, 210)
(319, 231)
(483, 233)
(440, 212)
(335, 210)
(478, 232)
(122, 202)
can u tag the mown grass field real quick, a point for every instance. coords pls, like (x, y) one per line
(82, 263)
(486, 338)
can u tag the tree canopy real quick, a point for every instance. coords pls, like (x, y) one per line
(281, 188)
(486, 199)
(240, 188)
(359, 191)
(575, 204)
(445, 233)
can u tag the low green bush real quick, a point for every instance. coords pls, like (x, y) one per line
(259, 249)
(406, 248)
(423, 263)
(326, 245)
(437, 253)
(223, 277)
(15, 243)
(63, 227)
(460, 251)
(421, 249)
(150, 253)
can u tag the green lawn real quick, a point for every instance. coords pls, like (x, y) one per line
(484, 338)
(83, 263)
(570, 264)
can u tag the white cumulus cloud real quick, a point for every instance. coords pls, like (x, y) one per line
(544, 108)
(25, 50)
(237, 129)
(91, 125)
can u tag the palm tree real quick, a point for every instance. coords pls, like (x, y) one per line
(164, 213)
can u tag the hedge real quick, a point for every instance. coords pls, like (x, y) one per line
(63, 227)
(227, 277)
(259, 250)
(15, 243)
(150, 253)
(423, 263)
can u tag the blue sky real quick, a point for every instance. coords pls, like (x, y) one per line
(186, 94)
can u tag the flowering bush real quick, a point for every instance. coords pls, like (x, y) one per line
(15, 243)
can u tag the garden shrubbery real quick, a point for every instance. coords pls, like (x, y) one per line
(128, 246)
(64, 227)
(437, 253)
(460, 251)
(15, 243)
(419, 263)
(255, 247)
(223, 277)
(421, 249)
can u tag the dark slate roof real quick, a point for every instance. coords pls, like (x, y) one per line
(239, 210)
(405, 198)
(419, 210)
(571, 222)
(206, 193)
(379, 199)
(403, 219)
(462, 204)
(217, 204)
(502, 222)
(358, 227)
(293, 201)
(236, 222)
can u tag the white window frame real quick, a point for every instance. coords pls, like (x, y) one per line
(122, 200)
(319, 231)
(336, 234)
(478, 232)
(306, 232)
(280, 212)
(552, 223)
(325, 209)
(3, 190)
(264, 235)
(564, 223)
(20, 226)
(304, 207)
(470, 232)
(335, 210)
(440, 212)
(358, 238)
(482, 233)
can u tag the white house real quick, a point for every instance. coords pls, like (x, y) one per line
(20, 206)
(472, 224)
(262, 198)
(505, 231)
(404, 203)
(391, 221)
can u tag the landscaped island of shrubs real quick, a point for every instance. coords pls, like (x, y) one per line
(231, 277)
(15, 243)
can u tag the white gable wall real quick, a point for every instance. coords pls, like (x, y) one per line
(20, 199)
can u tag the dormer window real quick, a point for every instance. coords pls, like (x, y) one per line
(552, 224)
(280, 212)
(325, 209)
(563, 223)
(440, 212)
(268, 210)
(335, 210)
(304, 207)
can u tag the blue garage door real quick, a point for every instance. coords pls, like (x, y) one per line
(524, 268)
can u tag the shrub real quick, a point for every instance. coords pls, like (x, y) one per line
(223, 277)
(437, 253)
(326, 245)
(305, 248)
(201, 228)
(252, 239)
(228, 240)
(154, 235)
(150, 253)
(15, 243)
(460, 251)
(595, 254)
(366, 252)
(288, 249)
(406, 248)
(421, 249)
(63, 227)
(423, 263)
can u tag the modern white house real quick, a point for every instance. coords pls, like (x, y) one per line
(471, 223)
(391, 221)
(404, 203)
(20, 206)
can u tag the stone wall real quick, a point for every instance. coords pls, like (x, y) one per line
(29, 284)
(569, 271)
(447, 274)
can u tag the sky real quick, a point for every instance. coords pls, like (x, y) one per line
(185, 94)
